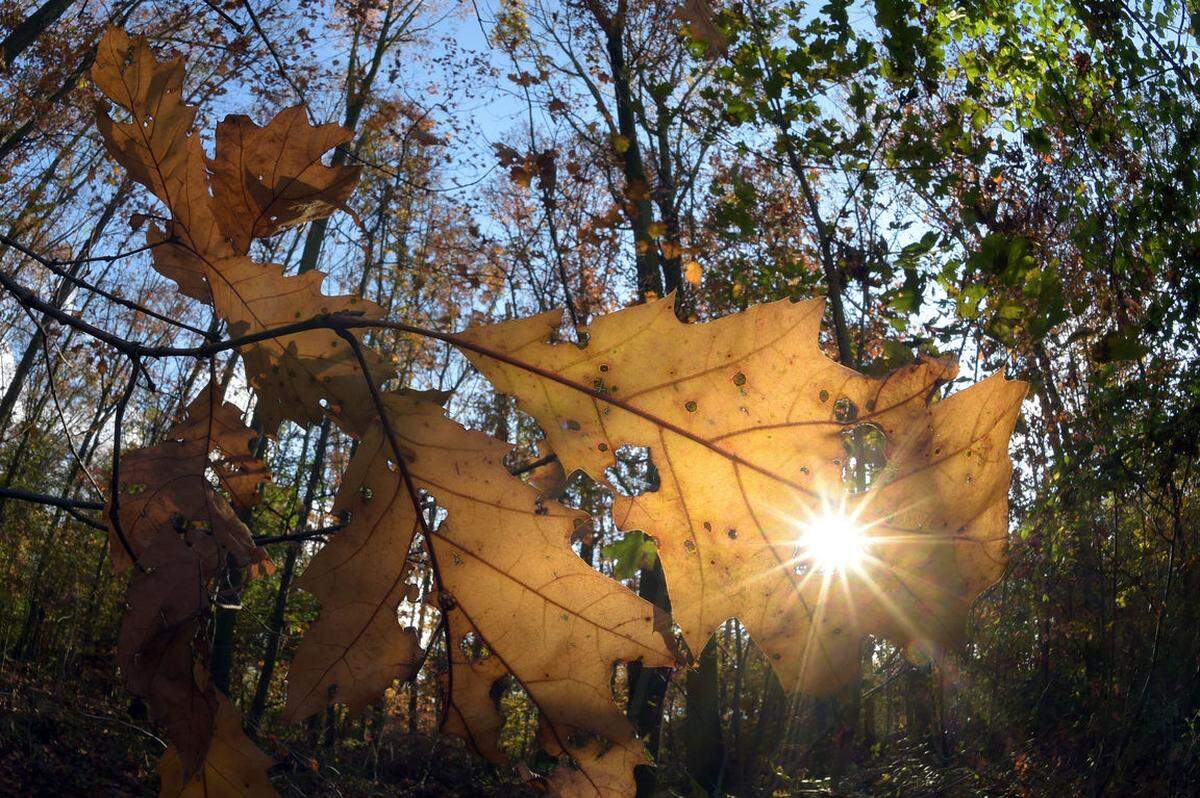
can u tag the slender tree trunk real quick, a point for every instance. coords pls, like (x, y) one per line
(275, 623)
(59, 298)
(705, 751)
(30, 28)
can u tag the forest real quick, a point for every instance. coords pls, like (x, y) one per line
(599, 398)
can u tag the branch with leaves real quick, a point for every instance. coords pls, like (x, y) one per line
(746, 419)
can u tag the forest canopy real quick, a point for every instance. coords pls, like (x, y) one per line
(599, 398)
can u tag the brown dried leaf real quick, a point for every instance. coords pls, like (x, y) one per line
(165, 606)
(302, 376)
(745, 418)
(541, 613)
(233, 767)
(284, 183)
(178, 263)
(166, 486)
(154, 146)
(181, 530)
(267, 179)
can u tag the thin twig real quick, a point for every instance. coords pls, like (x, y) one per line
(41, 332)
(56, 266)
(262, 34)
(312, 534)
(525, 468)
(223, 15)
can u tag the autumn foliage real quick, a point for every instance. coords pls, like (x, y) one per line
(745, 417)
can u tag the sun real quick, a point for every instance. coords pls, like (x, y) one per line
(833, 541)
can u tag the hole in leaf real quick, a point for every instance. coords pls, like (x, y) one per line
(866, 457)
(518, 734)
(473, 648)
(844, 410)
(634, 472)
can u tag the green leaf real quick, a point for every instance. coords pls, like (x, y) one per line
(630, 554)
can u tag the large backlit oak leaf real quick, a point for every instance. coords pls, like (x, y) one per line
(156, 145)
(266, 179)
(182, 530)
(298, 377)
(233, 766)
(746, 420)
(357, 647)
(510, 578)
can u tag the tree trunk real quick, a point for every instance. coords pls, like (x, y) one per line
(30, 28)
(275, 623)
(705, 751)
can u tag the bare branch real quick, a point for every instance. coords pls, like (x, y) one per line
(53, 501)
(56, 267)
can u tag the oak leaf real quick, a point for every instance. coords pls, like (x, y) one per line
(357, 647)
(233, 767)
(182, 531)
(267, 179)
(167, 486)
(539, 612)
(472, 688)
(301, 376)
(746, 421)
(177, 262)
(155, 145)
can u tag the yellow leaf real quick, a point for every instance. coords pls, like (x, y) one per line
(620, 143)
(356, 647)
(693, 272)
(583, 622)
(745, 418)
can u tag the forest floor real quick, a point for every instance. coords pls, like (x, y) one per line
(76, 737)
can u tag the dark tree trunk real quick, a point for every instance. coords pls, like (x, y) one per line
(705, 751)
(30, 28)
(275, 623)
